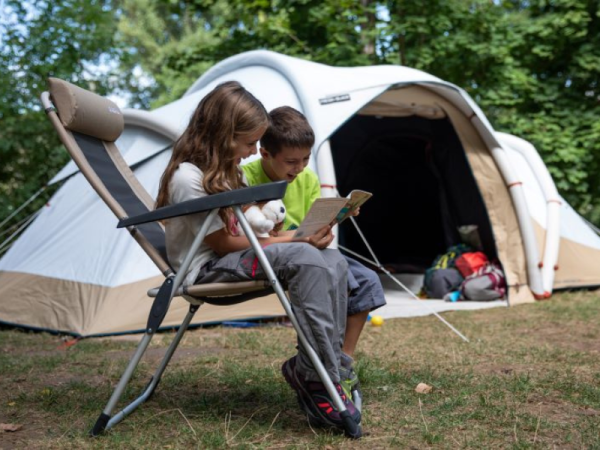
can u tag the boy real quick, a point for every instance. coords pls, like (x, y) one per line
(285, 150)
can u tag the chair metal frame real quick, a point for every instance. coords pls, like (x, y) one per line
(215, 293)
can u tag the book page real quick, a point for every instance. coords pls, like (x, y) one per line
(356, 199)
(322, 212)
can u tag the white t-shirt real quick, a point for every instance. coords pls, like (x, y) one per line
(186, 184)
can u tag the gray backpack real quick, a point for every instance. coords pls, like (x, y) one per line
(442, 281)
(488, 283)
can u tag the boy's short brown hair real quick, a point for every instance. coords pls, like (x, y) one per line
(288, 128)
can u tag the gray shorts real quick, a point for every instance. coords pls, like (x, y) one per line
(366, 292)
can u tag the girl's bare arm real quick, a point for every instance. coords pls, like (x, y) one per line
(223, 243)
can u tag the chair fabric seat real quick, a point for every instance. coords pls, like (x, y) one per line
(218, 289)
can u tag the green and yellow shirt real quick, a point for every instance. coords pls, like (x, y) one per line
(299, 196)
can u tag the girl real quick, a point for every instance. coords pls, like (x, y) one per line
(224, 129)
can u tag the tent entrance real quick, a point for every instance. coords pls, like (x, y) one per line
(423, 188)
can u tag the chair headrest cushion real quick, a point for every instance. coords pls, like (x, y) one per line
(85, 112)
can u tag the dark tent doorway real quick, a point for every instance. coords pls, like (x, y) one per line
(423, 189)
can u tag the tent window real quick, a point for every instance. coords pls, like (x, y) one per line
(422, 184)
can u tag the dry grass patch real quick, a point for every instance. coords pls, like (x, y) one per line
(529, 378)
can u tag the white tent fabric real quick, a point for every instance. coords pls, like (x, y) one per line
(402, 304)
(72, 258)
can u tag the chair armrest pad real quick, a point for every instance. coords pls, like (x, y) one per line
(262, 193)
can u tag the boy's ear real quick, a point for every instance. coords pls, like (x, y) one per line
(264, 153)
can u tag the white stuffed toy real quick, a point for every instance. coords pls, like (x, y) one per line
(264, 218)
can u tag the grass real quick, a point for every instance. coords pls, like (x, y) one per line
(530, 378)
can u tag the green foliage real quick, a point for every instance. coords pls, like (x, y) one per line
(40, 39)
(175, 42)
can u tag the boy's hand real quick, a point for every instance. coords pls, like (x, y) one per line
(321, 239)
(355, 212)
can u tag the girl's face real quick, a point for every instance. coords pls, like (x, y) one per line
(245, 144)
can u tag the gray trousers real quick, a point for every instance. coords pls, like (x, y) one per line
(317, 284)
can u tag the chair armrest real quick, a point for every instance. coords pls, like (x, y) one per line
(262, 193)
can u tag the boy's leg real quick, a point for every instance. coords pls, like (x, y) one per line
(365, 297)
(354, 326)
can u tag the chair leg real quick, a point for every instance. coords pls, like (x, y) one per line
(351, 428)
(105, 421)
(151, 386)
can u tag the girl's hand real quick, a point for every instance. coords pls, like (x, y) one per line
(356, 212)
(276, 231)
(321, 239)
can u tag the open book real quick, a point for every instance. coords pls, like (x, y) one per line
(330, 211)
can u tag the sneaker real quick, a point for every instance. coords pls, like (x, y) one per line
(315, 400)
(349, 381)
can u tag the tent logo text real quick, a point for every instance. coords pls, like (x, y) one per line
(334, 99)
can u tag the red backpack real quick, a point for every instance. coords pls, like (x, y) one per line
(469, 263)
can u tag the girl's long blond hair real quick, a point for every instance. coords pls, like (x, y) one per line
(226, 113)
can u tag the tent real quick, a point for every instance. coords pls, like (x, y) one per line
(420, 144)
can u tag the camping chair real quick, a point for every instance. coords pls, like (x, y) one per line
(88, 126)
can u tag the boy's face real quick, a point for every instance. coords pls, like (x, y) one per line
(285, 165)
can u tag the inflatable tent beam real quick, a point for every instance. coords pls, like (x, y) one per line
(145, 119)
(553, 203)
(515, 187)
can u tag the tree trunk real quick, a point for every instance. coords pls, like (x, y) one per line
(368, 42)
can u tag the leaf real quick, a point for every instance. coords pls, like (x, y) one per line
(423, 388)
(10, 427)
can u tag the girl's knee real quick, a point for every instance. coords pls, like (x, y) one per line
(306, 254)
(336, 259)
(302, 254)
